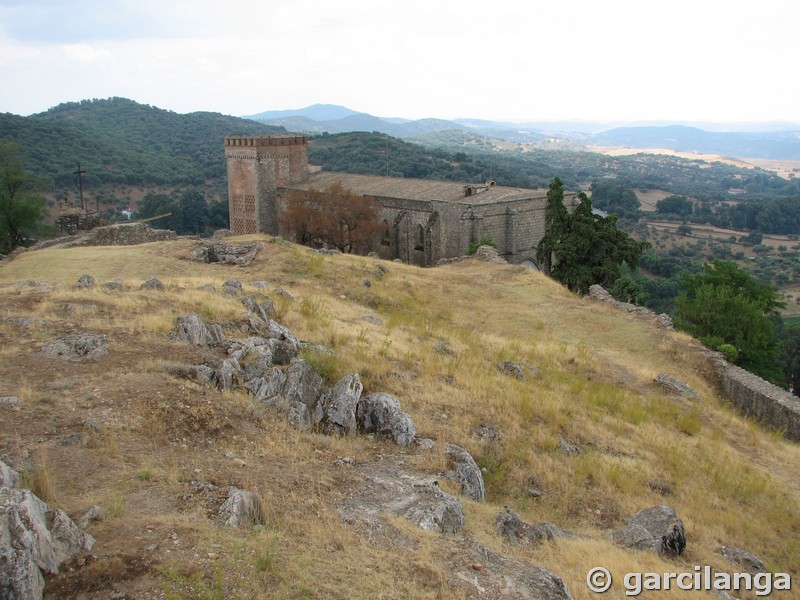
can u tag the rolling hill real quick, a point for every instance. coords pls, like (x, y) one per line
(576, 446)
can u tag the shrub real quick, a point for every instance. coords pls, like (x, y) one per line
(484, 240)
(729, 352)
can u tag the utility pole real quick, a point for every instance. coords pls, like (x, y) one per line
(80, 172)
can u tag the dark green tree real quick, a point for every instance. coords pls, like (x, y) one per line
(582, 249)
(675, 205)
(725, 304)
(615, 198)
(195, 213)
(21, 207)
(219, 214)
(555, 227)
(160, 204)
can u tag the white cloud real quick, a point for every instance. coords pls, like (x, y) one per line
(542, 59)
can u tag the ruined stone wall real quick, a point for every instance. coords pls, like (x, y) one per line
(760, 399)
(751, 395)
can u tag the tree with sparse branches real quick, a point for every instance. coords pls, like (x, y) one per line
(21, 208)
(335, 216)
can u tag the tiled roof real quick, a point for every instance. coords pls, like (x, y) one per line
(416, 189)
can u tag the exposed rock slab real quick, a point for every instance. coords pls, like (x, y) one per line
(500, 576)
(392, 487)
(33, 538)
(465, 471)
(658, 529)
(220, 252)
(744, 558)
(77, 347)
(339, 406)
(242, 508)
(380, 413)
(192, 329)
(511, 527)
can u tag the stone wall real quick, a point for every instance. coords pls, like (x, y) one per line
(760, 399)
(126, 234)
(752, 395)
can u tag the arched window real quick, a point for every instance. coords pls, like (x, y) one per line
(420, 245)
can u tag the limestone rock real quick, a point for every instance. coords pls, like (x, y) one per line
(276, 331)
(676, 387)
(487, 433)
(77, 347)
(489, 254)
(227, 374)
(232, 286)
(519, 370)
(339, 406)
(503, 577)
(220, 252)
(92, 515)
(192, 329)
(263, 310)
(514, 529)
(242, 508)
(658, 529)
(115, 286)
(303, 392)
(380, 413)
(465, 471)
(8, 476)
(268, 387)
(11, 402)
(744, 558)
(33, 537)
(152, 284)
(85, 282)
(392, 487)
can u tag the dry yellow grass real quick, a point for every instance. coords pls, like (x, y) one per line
(732, 481)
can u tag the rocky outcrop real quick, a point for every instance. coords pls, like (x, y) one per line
(465, 471)
(86, 282)
(511, 527)
(34, 538)
(152, 283)
(303, 391)
(658, 529)
(391, 487)
(8, 476)
(192, 329)
(77, 347)
(743, 558)
(228, 254)
(380, 414)
(518, 370)
(339, 406)
(242, 509)
(493, 575)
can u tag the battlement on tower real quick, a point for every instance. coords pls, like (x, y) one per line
(257, 167)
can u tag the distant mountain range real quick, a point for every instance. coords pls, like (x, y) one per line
(781, 144)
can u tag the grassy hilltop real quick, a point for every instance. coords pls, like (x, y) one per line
(730, 480)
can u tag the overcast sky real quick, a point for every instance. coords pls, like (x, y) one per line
(614, 60)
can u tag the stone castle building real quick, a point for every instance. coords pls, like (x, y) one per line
(426, 220)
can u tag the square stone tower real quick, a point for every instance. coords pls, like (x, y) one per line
(257, 167)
